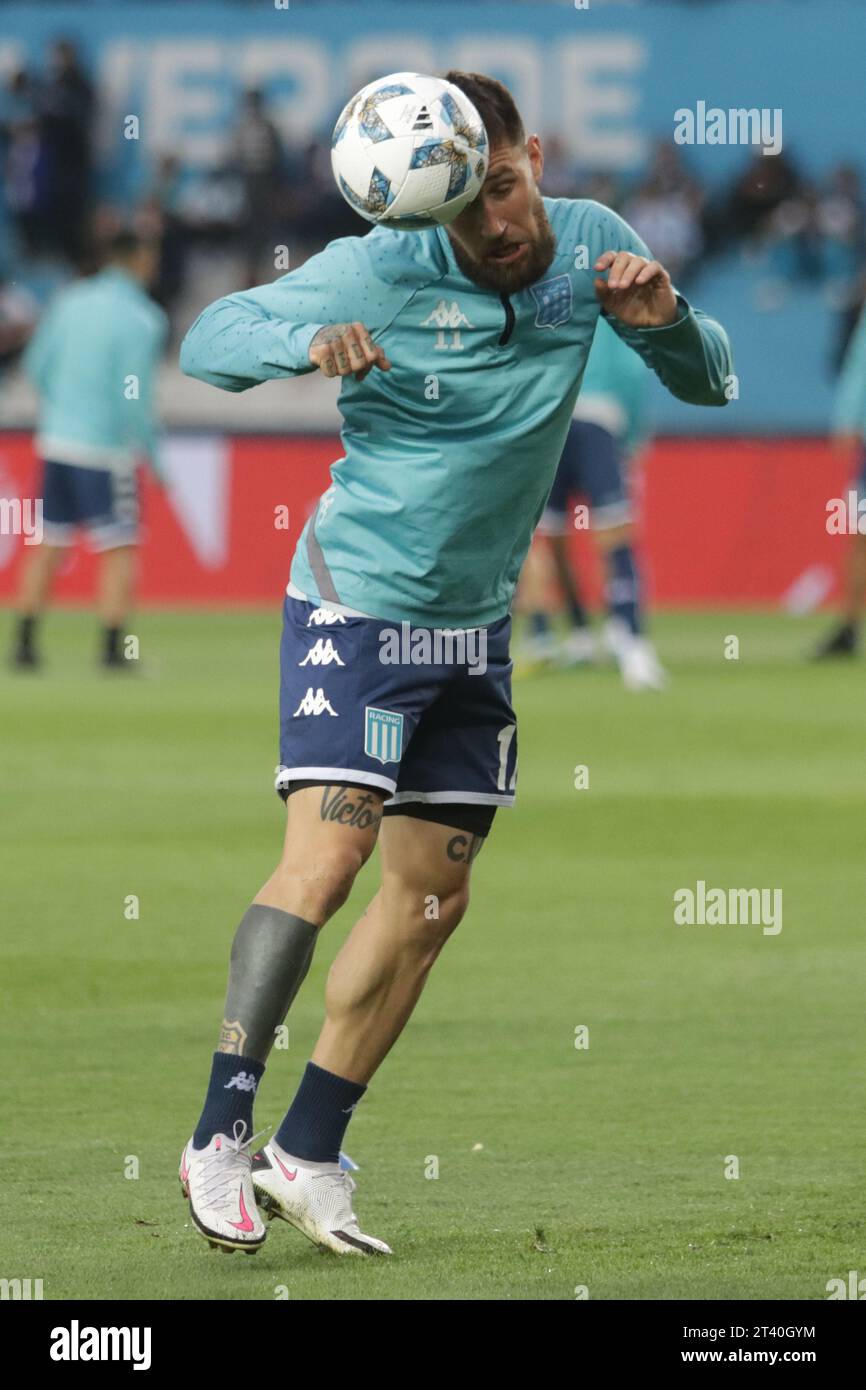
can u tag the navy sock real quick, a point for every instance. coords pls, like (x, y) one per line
(26, 632)
(539, 624)
(111, 644)
(230, 1095)
(623, 596)
(576, 611)
(318, 1116)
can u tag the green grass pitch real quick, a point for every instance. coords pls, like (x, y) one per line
(559, 1168)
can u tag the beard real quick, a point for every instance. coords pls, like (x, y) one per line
(508, 279)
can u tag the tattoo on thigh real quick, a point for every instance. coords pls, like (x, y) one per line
(347, 806)
(464, 848)
(232, 1037)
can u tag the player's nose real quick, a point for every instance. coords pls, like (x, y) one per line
(491, 226)
(493, 230)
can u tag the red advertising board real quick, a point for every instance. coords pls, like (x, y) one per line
(722, 521)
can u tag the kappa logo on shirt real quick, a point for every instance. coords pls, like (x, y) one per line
(322, 654)
(326, 501)
(444, 317)
(317, 703)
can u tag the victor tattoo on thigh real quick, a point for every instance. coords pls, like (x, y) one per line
(347, 806)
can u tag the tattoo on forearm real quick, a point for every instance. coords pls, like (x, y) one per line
(464, 848)
(347, 806)
(232, 1037)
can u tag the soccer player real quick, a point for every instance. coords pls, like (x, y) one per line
(849, 430)
(460, 352)
(608, 427)
(92, 361)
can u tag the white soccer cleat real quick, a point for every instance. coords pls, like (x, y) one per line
(636, 657)
(579, 648)
(314, 1197)
(538, 650)
(616, 637)
(218, 1182)
(640, 667)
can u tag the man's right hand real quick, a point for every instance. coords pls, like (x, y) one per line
(346, 349)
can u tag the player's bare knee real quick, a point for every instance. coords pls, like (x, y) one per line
(453, 907)
(430, 940)
(315, 884)
(430, 917)
(338, 868)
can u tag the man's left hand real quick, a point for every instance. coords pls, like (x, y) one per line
(637, 291)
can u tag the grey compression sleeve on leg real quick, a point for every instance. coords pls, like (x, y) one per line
(271, 954)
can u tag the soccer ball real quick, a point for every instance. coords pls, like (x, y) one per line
(409, 151)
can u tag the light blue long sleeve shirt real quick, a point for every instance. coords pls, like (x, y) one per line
(614, 392)
(93, 362)
(449, 457)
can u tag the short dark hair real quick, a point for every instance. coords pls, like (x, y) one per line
(494, 104)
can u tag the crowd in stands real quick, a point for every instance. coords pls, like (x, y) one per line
(266, 192)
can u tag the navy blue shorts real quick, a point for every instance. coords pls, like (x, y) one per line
(593, 466)
(423, 714)
(102, 502)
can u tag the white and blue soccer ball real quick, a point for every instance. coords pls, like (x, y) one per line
(409, 151)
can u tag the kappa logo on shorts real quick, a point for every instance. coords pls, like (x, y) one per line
(320, 616)
(322, 654)
(383, 735)
(317, 703)
(553, 299)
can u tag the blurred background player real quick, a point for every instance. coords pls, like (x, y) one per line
(609, 427)
(849, 429)
(92, 361)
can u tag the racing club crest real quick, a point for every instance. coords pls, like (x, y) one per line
(383, 735)
(553, 301)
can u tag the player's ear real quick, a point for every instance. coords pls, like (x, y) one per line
(536, 157)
